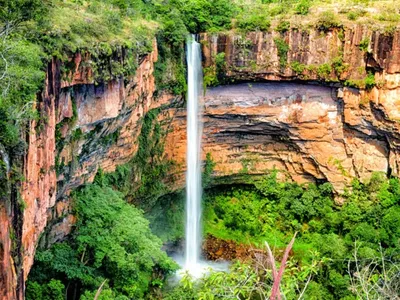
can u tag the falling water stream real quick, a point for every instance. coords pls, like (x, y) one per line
(192, 262)
(193, 158)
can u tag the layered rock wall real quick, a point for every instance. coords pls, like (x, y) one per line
(84, 126)
(348, 130)
(250, 129)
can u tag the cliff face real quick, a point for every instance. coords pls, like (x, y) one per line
(296, 128)
(347, 127)
(84, 126)
(314, 129)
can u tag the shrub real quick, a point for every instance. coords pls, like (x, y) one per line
(369, 81)
(363, 45)
(355, 14)
(324, 71)
(201, 15)
(283, 26)
(253, 22)
(54, 290)
(389, 16)
(297, 67)
(272, 210)
(170, 71)
(326, 21)
(279, 9)
(338, 65)
(303, 7)
(283, 49)
(174, 30)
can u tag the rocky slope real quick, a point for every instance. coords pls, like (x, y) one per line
(313, 129)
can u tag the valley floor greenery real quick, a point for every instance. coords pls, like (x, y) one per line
(340, 251)
(111, 250)
(346, 251)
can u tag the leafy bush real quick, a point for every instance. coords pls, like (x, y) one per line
(283, 26)
(326, 21)
(338, 66)
(303, 7)
(54, 290)
(297, 67)
(324, 71)
(215, 74)
(253, 22)
(202, 15)
(354, 14)
(242, 281)
(369, 81)
(21, 78)
(363, 45)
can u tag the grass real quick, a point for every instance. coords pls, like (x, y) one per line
(76, 26)
(306, 14)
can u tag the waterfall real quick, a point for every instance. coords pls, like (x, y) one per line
(193, 157)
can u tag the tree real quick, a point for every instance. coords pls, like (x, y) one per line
(112, 246)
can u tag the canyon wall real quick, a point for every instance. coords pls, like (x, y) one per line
(328, 124)
(83, 126)
(331, 124)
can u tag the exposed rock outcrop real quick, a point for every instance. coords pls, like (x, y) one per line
(331, 134)
(296, 128)
(350, 52)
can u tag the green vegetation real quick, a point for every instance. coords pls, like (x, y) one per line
(141, 180)
(206, 15)
(118, 33)
(272, 211)
(253, 21)
(303, 7)
(364, 45)
(209, 166)
(167, 214)
(283, 26)
(327, 20)
(341, 251)
(338, 66)
(324, 71)
(283, 49)
(167, 217)
(111, 245)
(355, 14)
(111, 248)
(21, 74)
(297, 67)
(367, 83)
(245, 281)
(215, 74)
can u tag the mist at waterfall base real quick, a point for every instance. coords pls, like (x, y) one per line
(191, 262)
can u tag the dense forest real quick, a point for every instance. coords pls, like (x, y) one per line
(346, 245)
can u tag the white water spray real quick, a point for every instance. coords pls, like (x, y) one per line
(193, 158)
